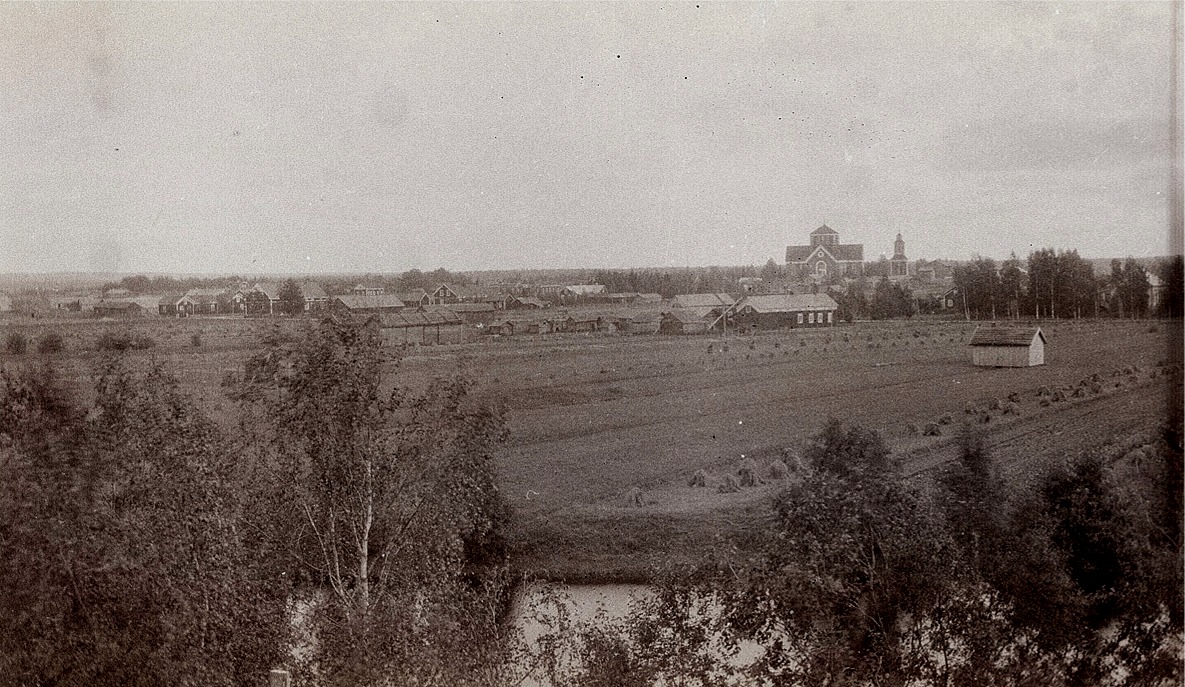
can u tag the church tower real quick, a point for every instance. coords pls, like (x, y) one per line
(899, 264)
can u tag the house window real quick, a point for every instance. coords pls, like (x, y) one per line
(829, 314)
(799, 318)
(811, 318)
(821, 269)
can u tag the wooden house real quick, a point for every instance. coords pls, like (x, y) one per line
(702, 300)
(1007, 347)
(121, 309)
(684, 321)
(777, 311)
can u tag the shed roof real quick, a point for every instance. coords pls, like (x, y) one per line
(1005, 336)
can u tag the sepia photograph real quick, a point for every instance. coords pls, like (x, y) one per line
(591, 344)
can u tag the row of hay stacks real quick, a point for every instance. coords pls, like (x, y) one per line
(1046, 395)
(748, 474)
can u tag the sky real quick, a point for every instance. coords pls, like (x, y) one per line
(269, 137)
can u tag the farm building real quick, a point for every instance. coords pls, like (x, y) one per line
(470, 313)
(776, 311)
(436, 327)
(315, 297)
(355, 303)
(583, 323)
(702, 300)
(524, 303)
(118, 309)
(197, 302)
(684, 322)
(1007, 347)
(262, 299)
(414, 298)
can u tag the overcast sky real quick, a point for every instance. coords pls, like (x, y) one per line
(253, 138)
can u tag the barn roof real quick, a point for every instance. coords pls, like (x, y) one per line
(418, 319)
(702, 300)
(686, 316)
(1005, 336)
(790, 302)
(360, 302)
(585, 289)
(460, 307)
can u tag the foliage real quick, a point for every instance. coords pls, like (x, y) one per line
(291, 298)
(51, 342)
(1129, 282)
(890, 300)
(386, 502)
(1173, 276)
(864, 579)
(16, 343)
(1061, 284)
(124, 564)
(123, 341)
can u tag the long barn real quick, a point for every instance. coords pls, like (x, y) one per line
(778, 311)
(1007, 347)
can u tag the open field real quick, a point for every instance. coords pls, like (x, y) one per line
(592, 417)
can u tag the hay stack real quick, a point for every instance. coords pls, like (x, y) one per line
(1044, 390)
(1012, 409)
(729, 485)
(996, 404)
(1014, 397)
(946, 420)
(912, 429)
(634, 497)
(1058, 396)
(792, 460)
(747, 473)
(932, 430)
(699, 479)
(778, 470)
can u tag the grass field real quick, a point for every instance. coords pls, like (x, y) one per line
(592, 417)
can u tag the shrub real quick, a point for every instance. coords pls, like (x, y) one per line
(50, 342)
(16, 343)
(195, 340)
(123, 341)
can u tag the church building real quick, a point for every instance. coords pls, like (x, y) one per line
(899, 264)
(825, 258)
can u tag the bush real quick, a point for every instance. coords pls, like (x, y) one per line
(51, 342)
(195, 340)
(16, 343)
(123, 341)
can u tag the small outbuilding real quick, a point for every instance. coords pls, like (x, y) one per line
(1007, 347)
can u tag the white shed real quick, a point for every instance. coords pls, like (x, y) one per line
(1007, 347)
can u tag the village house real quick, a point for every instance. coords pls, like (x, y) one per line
(777, 311)
(262, 299)
(993, 346)
(368, 290)
(825, 258)
(315, 298)
(525, 303)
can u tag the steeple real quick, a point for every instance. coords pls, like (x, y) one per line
(899, 248)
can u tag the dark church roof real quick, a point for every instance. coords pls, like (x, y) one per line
(824, 230)
(847, 252)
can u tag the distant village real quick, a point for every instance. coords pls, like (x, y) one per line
(822, 281)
